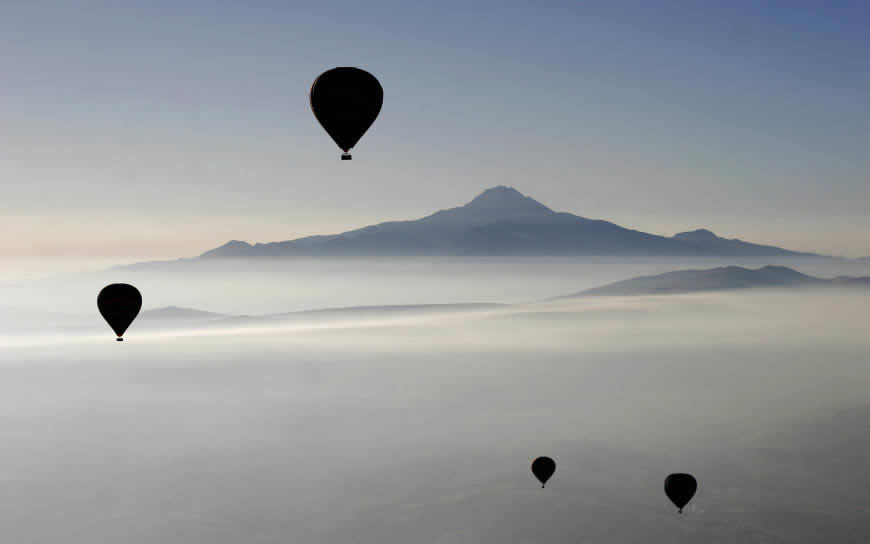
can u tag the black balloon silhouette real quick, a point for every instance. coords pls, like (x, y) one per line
(119, 305)
(680, 488)
(543, 468)
(346, 101)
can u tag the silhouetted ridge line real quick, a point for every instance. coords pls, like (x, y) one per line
(501, 221)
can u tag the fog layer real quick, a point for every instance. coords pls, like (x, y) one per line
(421, 428)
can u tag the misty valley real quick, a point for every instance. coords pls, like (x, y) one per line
(402, 400)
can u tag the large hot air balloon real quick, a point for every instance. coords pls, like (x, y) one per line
(346, 101)
(680, 488)
(119, 305)
(543, 468)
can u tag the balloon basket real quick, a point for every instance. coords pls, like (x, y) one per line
(119, 339)
(346, 156)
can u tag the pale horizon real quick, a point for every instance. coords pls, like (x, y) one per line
(205, 235)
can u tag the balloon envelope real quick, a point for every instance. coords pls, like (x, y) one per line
(543, 468)
(119, 304)
(346, 101)
(680, 488)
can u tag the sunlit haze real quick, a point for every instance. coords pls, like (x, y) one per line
(164, 129)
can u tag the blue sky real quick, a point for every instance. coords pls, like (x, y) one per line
(166, 128)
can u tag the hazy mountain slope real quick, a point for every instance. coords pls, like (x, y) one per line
(714, 279)
(679, 281)
(500, 221)
(705, 242)
(176, 313)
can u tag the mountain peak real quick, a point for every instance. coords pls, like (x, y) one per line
(236, 244)
(231, 248)
(500, 221)
(697, 235)
(502, 197)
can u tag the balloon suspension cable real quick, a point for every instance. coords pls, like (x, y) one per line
(681, 510)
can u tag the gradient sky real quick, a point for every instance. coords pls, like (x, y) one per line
(166, 128)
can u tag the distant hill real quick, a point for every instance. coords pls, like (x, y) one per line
(176, 314)
(722, 278)
(704, 242)
(679, 281)
(501, 221)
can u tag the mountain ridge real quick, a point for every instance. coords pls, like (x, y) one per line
(501, 221)
(718, 279)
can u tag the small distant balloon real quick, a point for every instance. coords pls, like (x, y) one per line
(680, 488)
(543, 468)
(346, 101)
(119, 304)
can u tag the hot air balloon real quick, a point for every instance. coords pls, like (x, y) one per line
(346, 101)
(680, 488)
(543, 468)
(119, 304)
